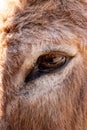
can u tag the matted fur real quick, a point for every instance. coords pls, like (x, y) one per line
(28, 29)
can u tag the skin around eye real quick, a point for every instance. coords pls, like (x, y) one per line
(47, 63)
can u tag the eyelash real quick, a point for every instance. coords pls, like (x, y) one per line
(47, 63)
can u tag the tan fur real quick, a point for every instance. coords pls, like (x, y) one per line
(54, 101)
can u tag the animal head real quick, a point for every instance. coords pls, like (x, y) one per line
(43, 65)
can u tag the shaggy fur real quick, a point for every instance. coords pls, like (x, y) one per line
(29, 29)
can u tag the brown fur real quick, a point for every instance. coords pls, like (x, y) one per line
(55, 101)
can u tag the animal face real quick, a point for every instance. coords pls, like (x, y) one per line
(43, 65)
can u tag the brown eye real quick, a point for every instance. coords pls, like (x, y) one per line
(51, 61)
(47, 63)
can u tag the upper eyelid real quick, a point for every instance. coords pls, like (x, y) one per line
(70, 50)
(66, 49)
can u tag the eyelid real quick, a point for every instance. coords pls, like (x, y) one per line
(69, 50)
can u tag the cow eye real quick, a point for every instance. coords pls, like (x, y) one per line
(47, 63)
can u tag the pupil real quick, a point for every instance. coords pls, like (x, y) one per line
(49, 60)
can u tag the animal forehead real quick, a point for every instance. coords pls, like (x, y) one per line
(49, 20)
(40, 13)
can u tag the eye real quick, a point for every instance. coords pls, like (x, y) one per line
(47, 63)
(51, 61)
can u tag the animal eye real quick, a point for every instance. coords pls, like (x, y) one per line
(47, 63)
(51, 61)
